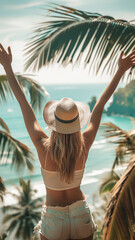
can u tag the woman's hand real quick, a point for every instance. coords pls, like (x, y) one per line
(5, 57)
(127, 62)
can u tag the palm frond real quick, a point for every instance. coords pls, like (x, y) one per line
(8, 217)
(2, 189)
(132, 132)
(112, 130)
(3, 236)
(37, 93)
(109, 182)
(24, 196)
(22, 218)
(119, 221)
(20, 154)
(120, 157)
(72, 34)
(125, 142)
(4, 125)
(5, 89)
(26, 192)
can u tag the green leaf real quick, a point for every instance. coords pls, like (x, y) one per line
(20, 154)
(109, 182)
(36, 92)
(4, 125)
(22, 217)
(120, 215)
(71, 34)
(2, 189)
(5, 89)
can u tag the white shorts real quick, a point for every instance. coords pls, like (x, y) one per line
(60, 223)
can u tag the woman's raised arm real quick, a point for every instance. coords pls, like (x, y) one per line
(93, 125)
(34, 130)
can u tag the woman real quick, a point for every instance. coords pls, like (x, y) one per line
(63, 155)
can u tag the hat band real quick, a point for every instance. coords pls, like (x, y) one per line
(66, 121)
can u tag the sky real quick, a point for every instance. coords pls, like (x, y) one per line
(18, 17)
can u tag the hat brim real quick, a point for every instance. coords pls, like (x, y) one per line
(54, 124)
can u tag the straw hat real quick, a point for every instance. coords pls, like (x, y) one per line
(66, 116)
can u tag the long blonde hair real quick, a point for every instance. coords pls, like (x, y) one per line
(65, 149)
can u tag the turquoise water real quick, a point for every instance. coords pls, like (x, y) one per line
(101, 155)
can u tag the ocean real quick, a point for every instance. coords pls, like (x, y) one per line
(101, 154)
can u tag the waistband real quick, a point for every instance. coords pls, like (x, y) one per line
(67, 208)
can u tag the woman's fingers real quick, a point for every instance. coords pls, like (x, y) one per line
(10, 54)
(5, 56)
(122, 53)
(132, 54)
(2, 48)
(132, 58)
(9, 51)
(126, 62)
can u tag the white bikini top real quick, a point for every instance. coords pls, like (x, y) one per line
(52, 180)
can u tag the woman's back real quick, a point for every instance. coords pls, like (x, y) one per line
(61, 194)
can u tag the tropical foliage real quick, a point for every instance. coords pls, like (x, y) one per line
(119, 222)
(109, 182)
(20, 154)
(3, 236)
(71, 35)
(123, 101)
(125, 148)
(2, 189)
(125, 142)
(22, 217)
(36, 93)
(92, 102)
(5, 89)
(120, 218)
(4, 125)
(98, 236)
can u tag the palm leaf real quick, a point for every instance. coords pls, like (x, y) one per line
(24, 196)
(4, 88)
(26, 192)
(2, 189)
(71, 34)
(8, 217)
(124, 140)
(120, 217)
(122, 151)
(19, 153)
(3, 236)
(4, 125)
(119, 159)
(37, 93)
(112, 130)
(109, 182)
(22, 218)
